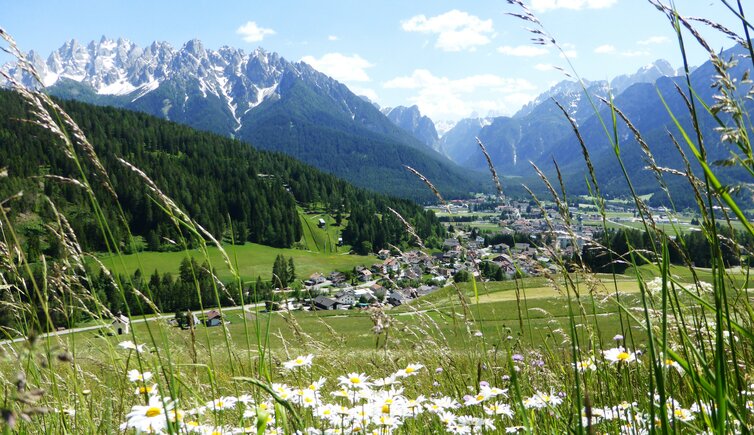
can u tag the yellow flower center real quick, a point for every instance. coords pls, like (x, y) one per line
(144, 390)
(299, 361)
(409, 369)
(479, 397)
(220, 404)
(623, 356)
(153, 412)
(669, 362)
(386, 409)
(355, 380)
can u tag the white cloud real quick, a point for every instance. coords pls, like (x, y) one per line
(366, 92)
(653, 40)
(332, 38)
(605, 49)
(546, 5)
(523, 50)
(341, 67)
(456, 30)
(250, 32)
(445, 98)
(544, 67)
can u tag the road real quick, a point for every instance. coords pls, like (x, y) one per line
(133, 321)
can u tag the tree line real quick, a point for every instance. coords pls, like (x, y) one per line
(227, 186)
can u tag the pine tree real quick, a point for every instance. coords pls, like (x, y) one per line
(291, 270)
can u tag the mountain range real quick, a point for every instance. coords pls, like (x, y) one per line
(540, 133)
(274, 104)
(258, 97)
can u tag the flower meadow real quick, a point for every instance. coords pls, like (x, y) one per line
(409, 398)
(676, 355)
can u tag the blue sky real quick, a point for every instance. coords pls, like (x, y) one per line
(453, 59)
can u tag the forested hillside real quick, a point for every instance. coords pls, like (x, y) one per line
(216, 180)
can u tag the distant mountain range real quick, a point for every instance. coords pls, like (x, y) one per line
(286, 106)
(258, 97)
(539, 132)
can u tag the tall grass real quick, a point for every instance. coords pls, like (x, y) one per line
(675, 357)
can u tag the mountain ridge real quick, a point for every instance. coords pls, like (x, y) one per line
(230, 92)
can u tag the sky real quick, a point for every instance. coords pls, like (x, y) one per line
(453, 59)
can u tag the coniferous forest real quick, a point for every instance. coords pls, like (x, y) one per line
(224, 183)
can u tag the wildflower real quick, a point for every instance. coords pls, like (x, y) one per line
(498, 408)
(354, 381)
(669, 363)
(137, 376)
(410, 370)
(222, 403)
(515, 429)
(478, 334)
(149, 418)
(682, 414)
(301, 361)
(386, 382)
(131, 346)
(586, 365)
(146, 389)
(447, 418)
(542, 400)
(618, 337)
(619, 355)
(517, 357)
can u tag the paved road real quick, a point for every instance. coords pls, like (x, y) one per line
(138, 320)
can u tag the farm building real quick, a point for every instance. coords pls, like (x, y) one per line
(214, 318)
(121, 324)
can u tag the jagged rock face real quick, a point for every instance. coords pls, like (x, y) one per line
(258, 97)
(239, 81)
(411, 120)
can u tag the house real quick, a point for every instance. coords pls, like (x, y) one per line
(392, 265)
(321, 223)
(337, 277)
(383, 254)
(314, 279)
(214, 318)
(450, 243)
(121, 324)
(396, 298)
(365, 275)
(345, 298)
(325, 303)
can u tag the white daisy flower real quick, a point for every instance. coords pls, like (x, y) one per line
(137, 376)
(300, 361)
(619, 355)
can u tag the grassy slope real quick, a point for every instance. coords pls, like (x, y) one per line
(253, 260)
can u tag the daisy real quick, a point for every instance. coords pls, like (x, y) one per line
(300, 361)
(619, 355)
(137, 376)
(354, 381)
(498, 408)
(222, 403)
(149, 418)
(410, 370)
(131, 346)
(586, 365)
(146, 389)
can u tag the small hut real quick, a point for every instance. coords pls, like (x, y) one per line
(121, 324)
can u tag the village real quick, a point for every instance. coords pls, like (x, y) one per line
(486, 241)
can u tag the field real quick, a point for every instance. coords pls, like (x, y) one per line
(253, 260)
